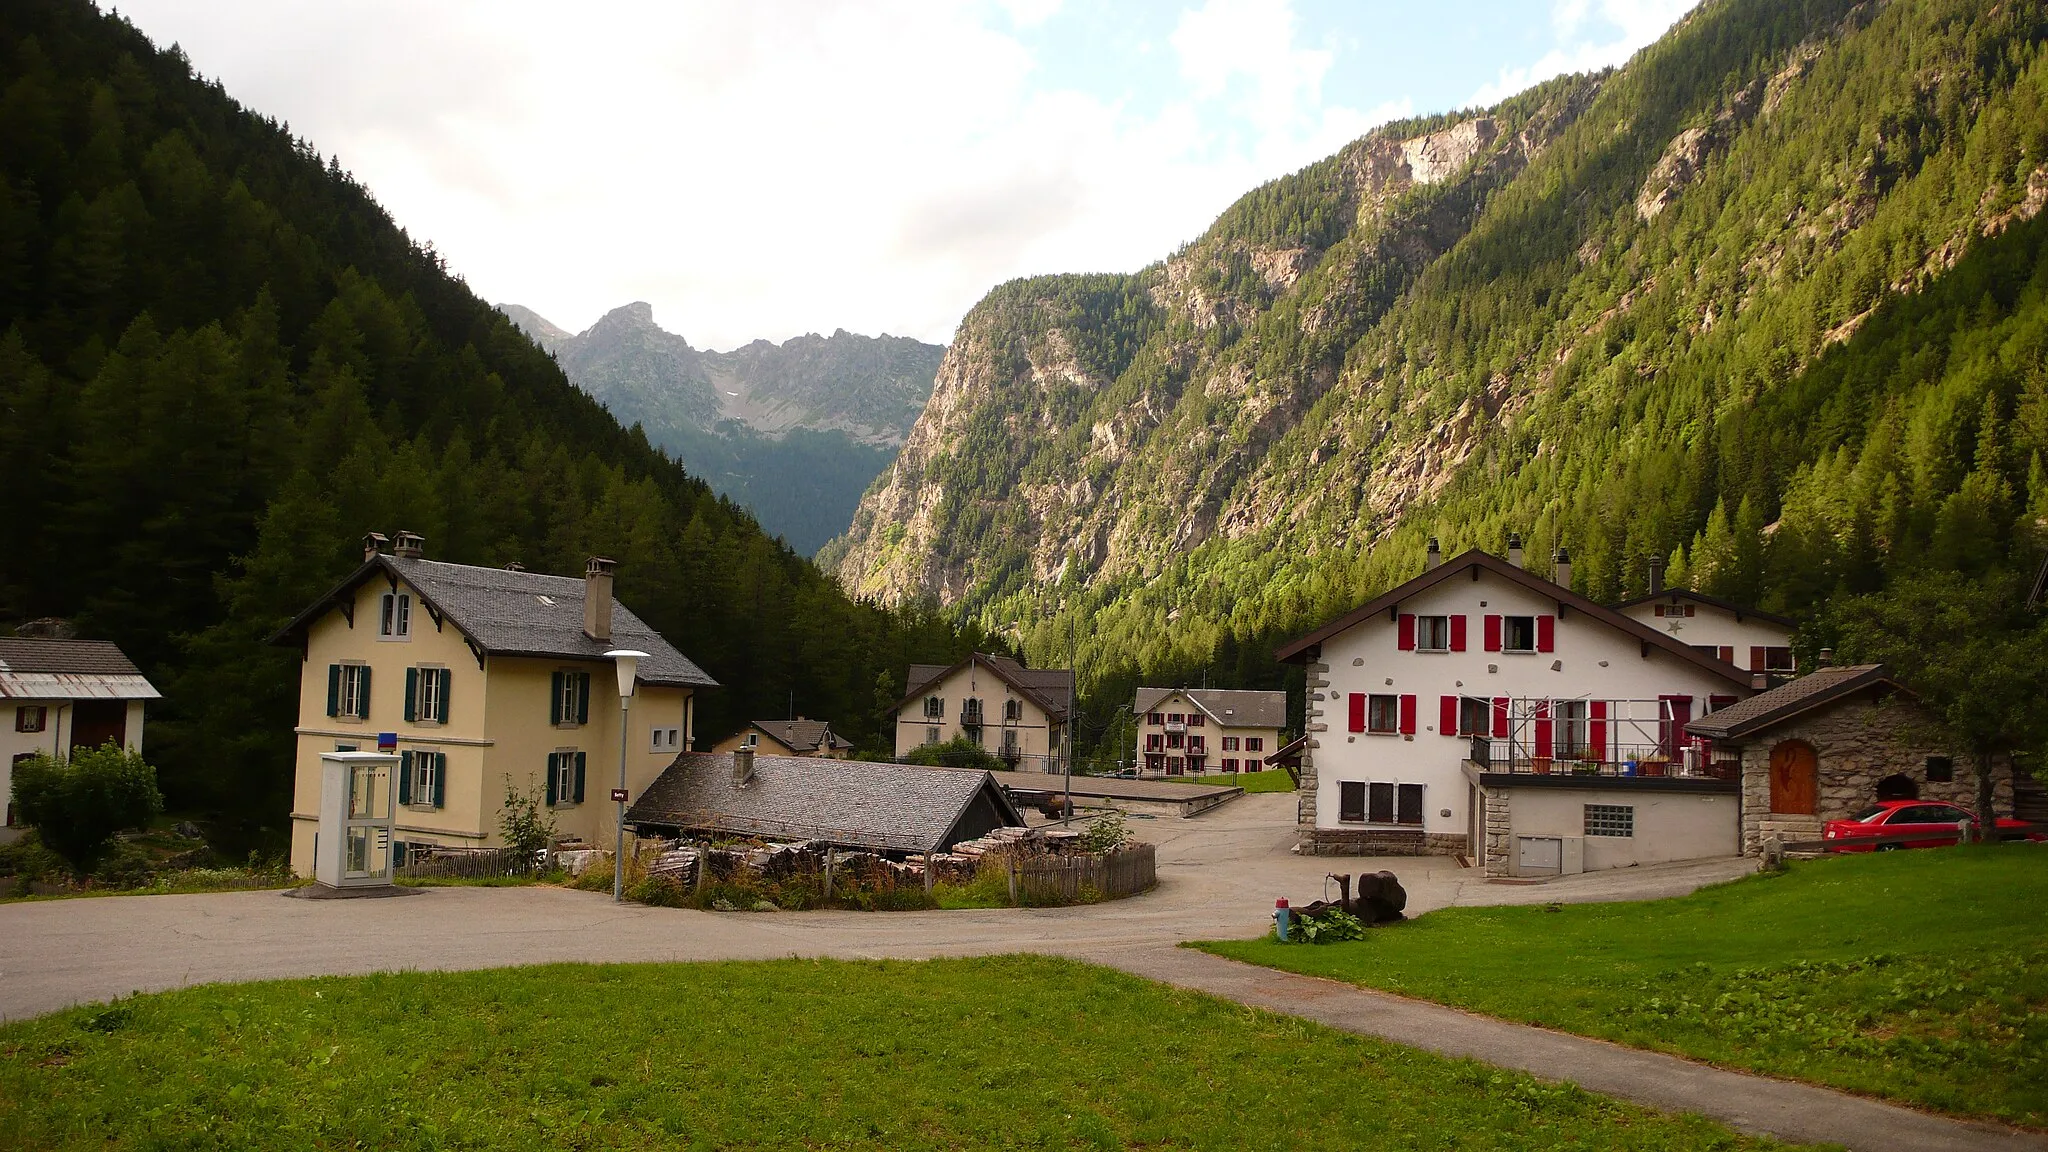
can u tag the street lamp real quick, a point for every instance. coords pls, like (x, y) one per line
(626, 662)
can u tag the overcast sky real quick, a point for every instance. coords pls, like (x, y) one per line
(762, 168)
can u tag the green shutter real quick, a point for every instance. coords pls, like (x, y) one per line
(582, 698)
(334, 689)
(555, 701)
(364, 703)
(405, 763)
(440, 779)
(553, 775)
(412, 694)
(579, 777)
(446, 675)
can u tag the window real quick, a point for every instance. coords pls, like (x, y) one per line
(1010, 741)
(394, 617)
(348, 691)
(1432, 633)
(565, 777)
(1197, 744)
(1196, 720)
(1013, 711)
(1393, 803)
(1255, 743)
(1518, 633)
(1675, 610)
(931, 735)
(426, 695)
(664, 739)
(1154, 742)
(1778, 660)
(1569, 739)
(1709, 650)
(1475, 716)
(934, 707)
(423, 779)
(1155, 717)
(1175, 718)
(1230, 743)
(1155, 763)
(571, 703)
(1175, 740)
(1610, 820)
(1383, 713)
(1351, 802)
(1941, 770)
(1229, 765)
(970, 711)
(1175, 766)
(31, 718)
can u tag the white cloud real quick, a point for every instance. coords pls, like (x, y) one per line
(1628, 26)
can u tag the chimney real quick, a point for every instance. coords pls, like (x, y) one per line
(373, 543)
(1515, 549)
(1656, 575)
(409, 545)
(1563, 562)
(1433, 558)
(1827, 657)
(743, 764)
(597, 597)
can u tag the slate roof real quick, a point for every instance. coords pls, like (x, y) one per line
(37, 669)
(1046, 687)
(1229, 707)
(855, 803)
(1297, 649)
(1768, 709)
(1670, 595)
(508, 613)
(802, 735)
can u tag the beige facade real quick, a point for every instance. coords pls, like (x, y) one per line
(1178, 736)
(1608, 824)
(975, 701)
(799, 737)
(499, 728)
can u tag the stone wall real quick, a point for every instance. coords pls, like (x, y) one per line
(1312, 727)
(1381, 842)
(1858, 742)
(1499, 831)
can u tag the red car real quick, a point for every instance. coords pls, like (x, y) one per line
(1935, 820)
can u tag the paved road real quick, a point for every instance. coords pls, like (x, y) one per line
(1219, 874)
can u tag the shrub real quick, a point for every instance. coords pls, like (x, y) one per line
(1331, 927)
(1107, 834)
(959, 752)
(77, 805)
(524, 821)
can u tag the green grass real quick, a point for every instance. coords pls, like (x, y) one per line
(1273, 780)
(1920, 976)
(1010, 1052)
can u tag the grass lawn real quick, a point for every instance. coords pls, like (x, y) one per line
(1921, 976)
(1007, 1052)
(1273, 780)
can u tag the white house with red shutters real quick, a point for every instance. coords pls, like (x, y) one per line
(1759, 642)
(1479, 706)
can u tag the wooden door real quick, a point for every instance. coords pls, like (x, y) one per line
(1795, 778)
(95, 722)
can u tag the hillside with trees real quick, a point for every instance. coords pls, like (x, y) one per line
(221, 362)
(1768, 303)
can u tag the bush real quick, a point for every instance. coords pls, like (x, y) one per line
(524, 821)
(959, 752)
(1332, 927)
(77, 805)
(1107, 834)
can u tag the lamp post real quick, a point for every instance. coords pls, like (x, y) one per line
(626, 662)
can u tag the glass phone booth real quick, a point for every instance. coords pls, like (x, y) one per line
(358, 809)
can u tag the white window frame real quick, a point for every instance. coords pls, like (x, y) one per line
(428, 706)
(573, 687)
(394, 616)
(664, 739)
(348, 699)
(41, 713)
(1570, 735)
(562, 765)
(1393, 728)
(1507, 629)
(1440, 625)
(425, 768)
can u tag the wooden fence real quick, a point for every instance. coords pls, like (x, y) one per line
(468, 864)
(1066, 879)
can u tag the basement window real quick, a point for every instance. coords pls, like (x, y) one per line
(1610, 820)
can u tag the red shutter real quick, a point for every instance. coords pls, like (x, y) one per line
(1500, 716)
(1407, 633)
(1493, 633)
(1358, 711)
(1727, 653)
(1457, 633)
(1596, 736)
(1447, 717)
(1546, 633)
(1543, 729)
(1407, 715)
(1756, 659)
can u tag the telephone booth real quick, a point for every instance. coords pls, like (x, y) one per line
(358, 811)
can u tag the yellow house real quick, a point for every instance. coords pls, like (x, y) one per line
(1189, 731)
(487, 678)
(1011, 711)
(798, 737)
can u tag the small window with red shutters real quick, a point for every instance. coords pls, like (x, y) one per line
(1383, 714)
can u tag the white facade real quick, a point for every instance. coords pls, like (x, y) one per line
(1747, 640)
(1390, 712)
(1179, 734)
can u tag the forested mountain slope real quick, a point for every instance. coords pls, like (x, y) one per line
(1767, 302)
(221, 363)
(792, 431)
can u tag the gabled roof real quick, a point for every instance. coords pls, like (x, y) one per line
(1048, 688)
(509, 613)
(32, 668)
(1740, 610)
(801, 735)
(857, 803)
(1298, 648)
(1769, 709)
(1228, 707)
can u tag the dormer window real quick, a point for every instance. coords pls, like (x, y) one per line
(394, 617)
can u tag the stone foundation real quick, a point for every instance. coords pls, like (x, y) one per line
(1381, 842)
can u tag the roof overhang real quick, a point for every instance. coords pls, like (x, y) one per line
(1875, 676)
(75, 686)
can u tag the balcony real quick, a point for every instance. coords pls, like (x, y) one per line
(1176, 726)
(1691, 760)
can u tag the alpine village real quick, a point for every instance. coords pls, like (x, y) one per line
(1528, 631)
